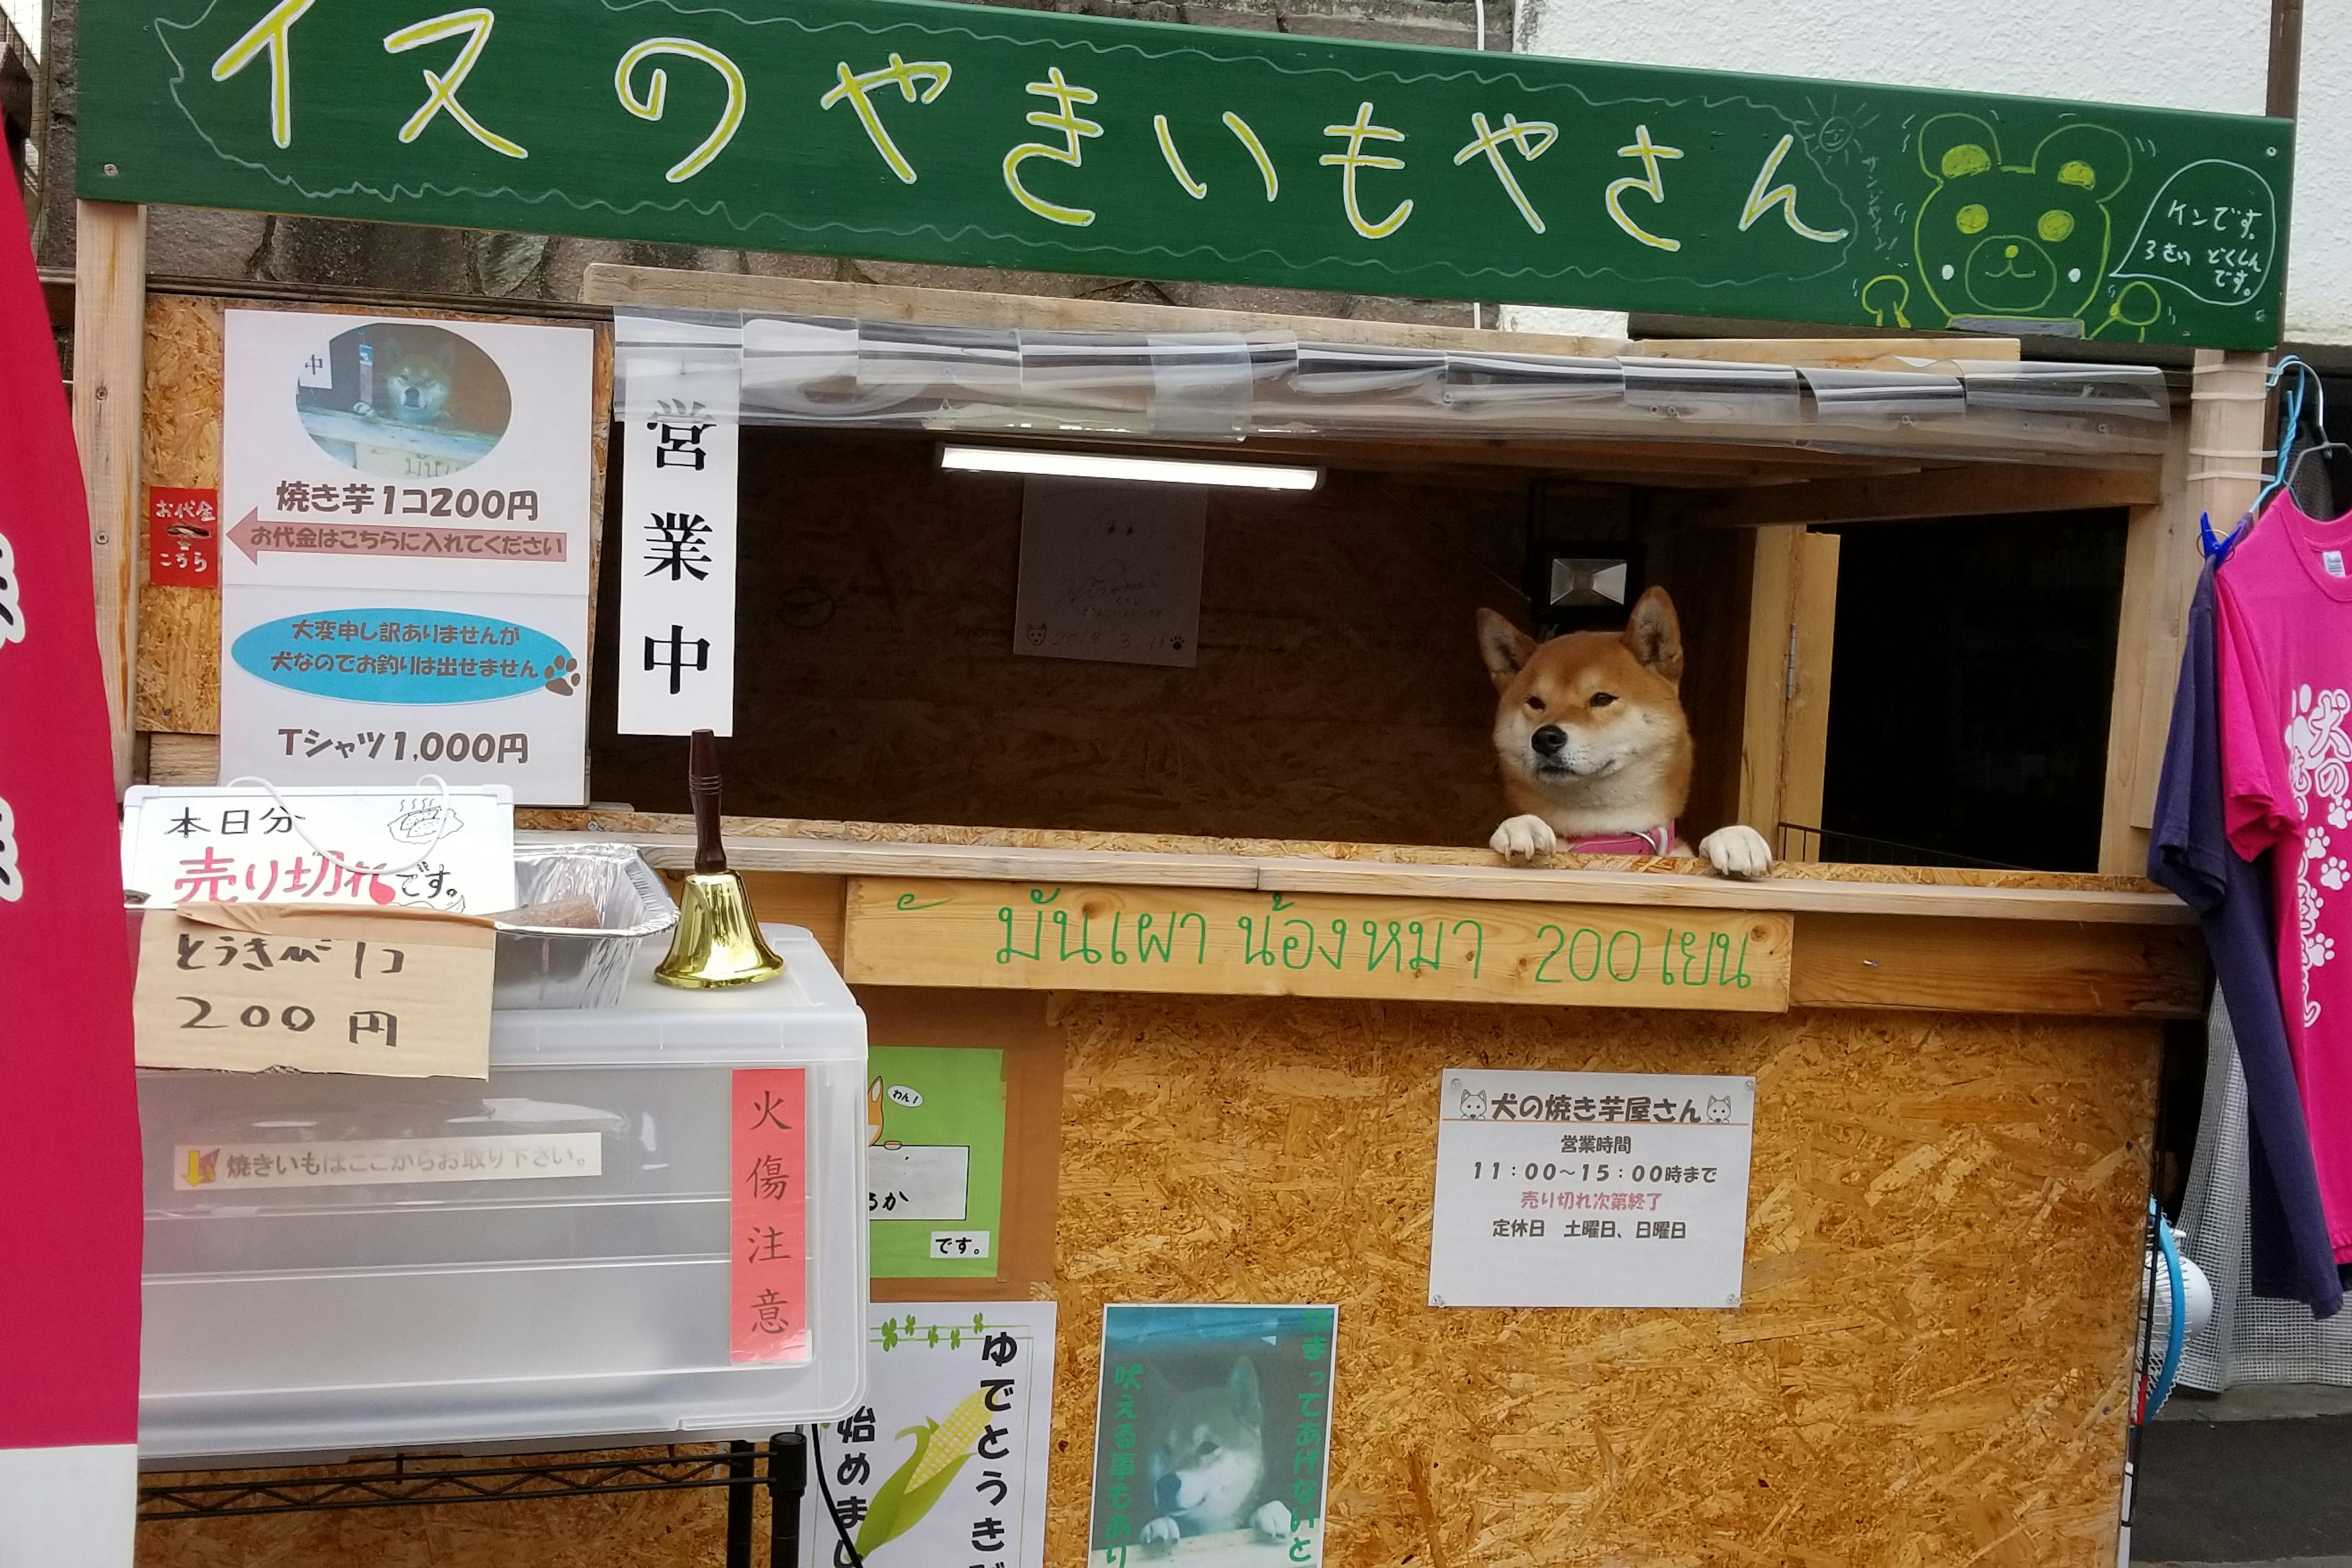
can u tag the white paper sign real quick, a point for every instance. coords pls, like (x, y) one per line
(372, 1162)
(405, 573)
(1110, 572)
(240, 846)
(924, 1182)
(677, 527)
(1579, 1189)
(984, 1372)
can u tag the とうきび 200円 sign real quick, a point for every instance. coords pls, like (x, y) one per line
(922, 132)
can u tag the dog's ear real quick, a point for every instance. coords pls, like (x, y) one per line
(1159, 1393)
(1505, 648)
(1655, 635)
(1242, 1387)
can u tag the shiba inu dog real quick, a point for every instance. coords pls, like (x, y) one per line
(1205, 1459)
(1594, 746)
(416, 385)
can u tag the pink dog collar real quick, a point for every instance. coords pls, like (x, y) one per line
(1656, 841)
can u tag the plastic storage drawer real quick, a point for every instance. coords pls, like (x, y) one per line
(287, 1319)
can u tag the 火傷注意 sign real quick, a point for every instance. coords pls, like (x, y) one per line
(922, 132)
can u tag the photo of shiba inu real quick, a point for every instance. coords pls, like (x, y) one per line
(1595, 749)
(1205, 1459)
(416, 384)
(1212, 1435)
(404, 400)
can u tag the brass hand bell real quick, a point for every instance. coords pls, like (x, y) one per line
(717, 941)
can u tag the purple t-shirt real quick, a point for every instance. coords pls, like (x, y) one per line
(2189, 852)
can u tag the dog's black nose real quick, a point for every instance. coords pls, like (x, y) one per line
(1548, 740)
(1170, 1492)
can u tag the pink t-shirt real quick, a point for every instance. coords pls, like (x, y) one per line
(2283, 654)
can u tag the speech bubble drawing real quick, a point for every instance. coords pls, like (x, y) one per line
(2211, 232)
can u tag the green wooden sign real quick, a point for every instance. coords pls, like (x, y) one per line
(922, 132)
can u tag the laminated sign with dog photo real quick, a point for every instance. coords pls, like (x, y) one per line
(405, 565)
(1212, 1437)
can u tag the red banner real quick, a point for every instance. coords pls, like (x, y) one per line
(69, 1239)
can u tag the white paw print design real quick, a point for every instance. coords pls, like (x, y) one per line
(2332, 874)
(2315, 844)
(2318, 947)
(2337, 814)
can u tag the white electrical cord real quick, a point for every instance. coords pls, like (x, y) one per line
(1478, 10)
(445, 823)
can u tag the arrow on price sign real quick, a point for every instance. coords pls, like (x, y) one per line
(253, 534)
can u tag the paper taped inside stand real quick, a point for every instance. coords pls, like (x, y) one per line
(318, 988)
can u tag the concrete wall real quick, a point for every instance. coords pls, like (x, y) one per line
(2164, 53)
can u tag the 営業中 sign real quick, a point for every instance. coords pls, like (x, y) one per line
(995, 137)
(1590, 1189)
(405, 566)
(677, 534)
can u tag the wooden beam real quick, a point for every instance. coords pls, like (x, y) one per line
(1973, 490)
(1805, 726)
(1205, 940)
(1763, 727)
(2026, 896)
(1999, 966)
(2160, 565)
(109, 385)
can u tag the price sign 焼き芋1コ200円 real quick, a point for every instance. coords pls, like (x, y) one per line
(1577, 1189)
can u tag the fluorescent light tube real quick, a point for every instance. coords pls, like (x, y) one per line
(1051, 464)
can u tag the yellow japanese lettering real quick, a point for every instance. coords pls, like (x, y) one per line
(1650, 182)
(443, 86)
(657, 91)
(1192, 187)
(1533, 138)
(852, 90)
(1065, 120)
(1359, 133)
(1240, 128)
(1762, 201)
(274, 34)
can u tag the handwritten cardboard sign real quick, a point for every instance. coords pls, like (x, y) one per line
(244, 987)
(917, 932)
(767, 1274)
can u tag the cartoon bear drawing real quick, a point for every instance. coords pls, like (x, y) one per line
(2017, 246)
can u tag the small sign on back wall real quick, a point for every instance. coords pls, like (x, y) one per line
(1110, 572)
(1589, 1189)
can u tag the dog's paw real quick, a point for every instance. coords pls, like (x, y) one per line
(1161, 1531)
(1737, 851)
(1524, 838)
(1273, 1521)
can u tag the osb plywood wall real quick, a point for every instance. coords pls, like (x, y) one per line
(1929, 1368)
(1339, 692)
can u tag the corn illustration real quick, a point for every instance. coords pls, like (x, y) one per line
(941, 1449)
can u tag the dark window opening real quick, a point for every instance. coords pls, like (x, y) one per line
(1975, 660)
